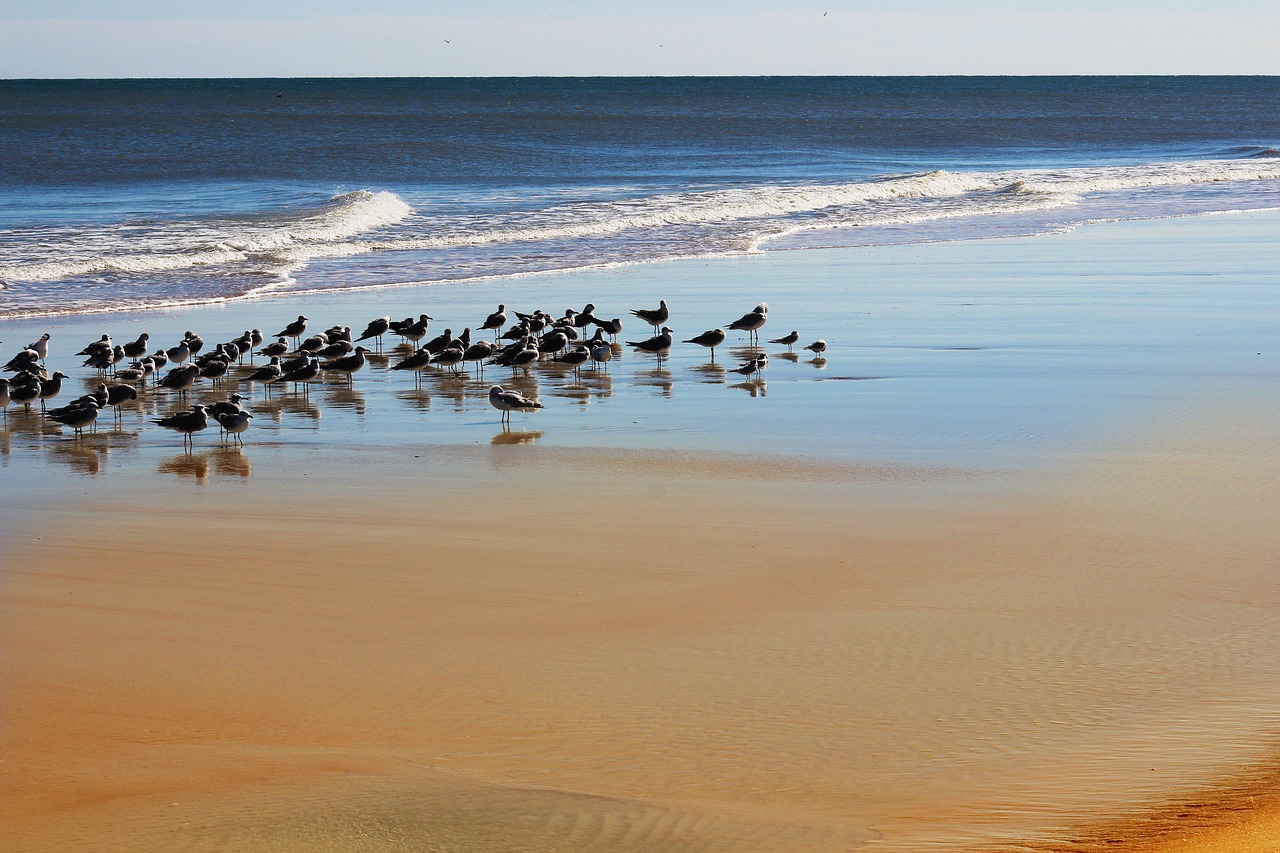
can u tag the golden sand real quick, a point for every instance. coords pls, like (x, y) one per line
(689, 653)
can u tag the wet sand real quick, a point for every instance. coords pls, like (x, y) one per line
(359, 642)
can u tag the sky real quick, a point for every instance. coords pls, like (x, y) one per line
(429, 38)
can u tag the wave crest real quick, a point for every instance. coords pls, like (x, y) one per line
(185, 245)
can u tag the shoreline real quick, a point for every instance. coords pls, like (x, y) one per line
(790, 242)
(1023, 549)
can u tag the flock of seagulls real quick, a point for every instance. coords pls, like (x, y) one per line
(297, 359)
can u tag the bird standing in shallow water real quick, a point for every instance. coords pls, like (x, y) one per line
(752, 321)
(660, 343)
(711, 338)
(510, 401)
(235, 423)
(787, 340)
(186, 423)
(653, 316)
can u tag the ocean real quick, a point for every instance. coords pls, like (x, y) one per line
(123, 194)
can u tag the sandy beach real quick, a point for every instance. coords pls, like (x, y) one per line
(998, 573)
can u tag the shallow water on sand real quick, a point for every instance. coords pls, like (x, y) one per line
(1001, 567)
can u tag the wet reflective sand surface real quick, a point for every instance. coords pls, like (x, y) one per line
(962, 598)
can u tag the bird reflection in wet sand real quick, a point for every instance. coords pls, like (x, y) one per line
(346, 397)
(418, 398)
(578, 393)
(711, 373)
(659, 378)
(82, 456)
(231, 462)
(300, 407)
(509, 436)
(754, 387)
(792, 357)
(450, 386)
(818, 363)
(195, 466)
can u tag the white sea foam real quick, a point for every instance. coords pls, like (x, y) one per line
(633, 228)
(188, 244)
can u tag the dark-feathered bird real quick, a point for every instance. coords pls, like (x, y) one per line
(653, 316)
(711, 339)
(658, 343)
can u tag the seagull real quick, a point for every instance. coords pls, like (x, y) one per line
(25, 392)
(118, 395)
(495, 321)
(509, 401)
(478, 352)
(313, 343)
(787, 340)
(305, 375)
(612, 328)
(659, 343)
(653, 316)
(293, 330)
(40, 346)
(449, 357)
(27, 359)
(818, 347)
(278, 348)
(138, 348)
(752, 320)
(180, 353)
(585, 317)
(711, 338)
(4, 397)
(229, 406)
(575, 358)
(348, 364)
(601, 353)
(418, 362)
(194, 342)
(102, 344)
(416, 331)
(51, 387)
(186, 422)
(234, 423)
(180, 378)
(76, 417)
(376, 329)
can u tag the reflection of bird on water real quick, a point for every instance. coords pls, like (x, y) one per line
(510, 401)
(509, 437)
(186, 465)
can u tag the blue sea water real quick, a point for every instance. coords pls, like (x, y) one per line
(118, 194)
